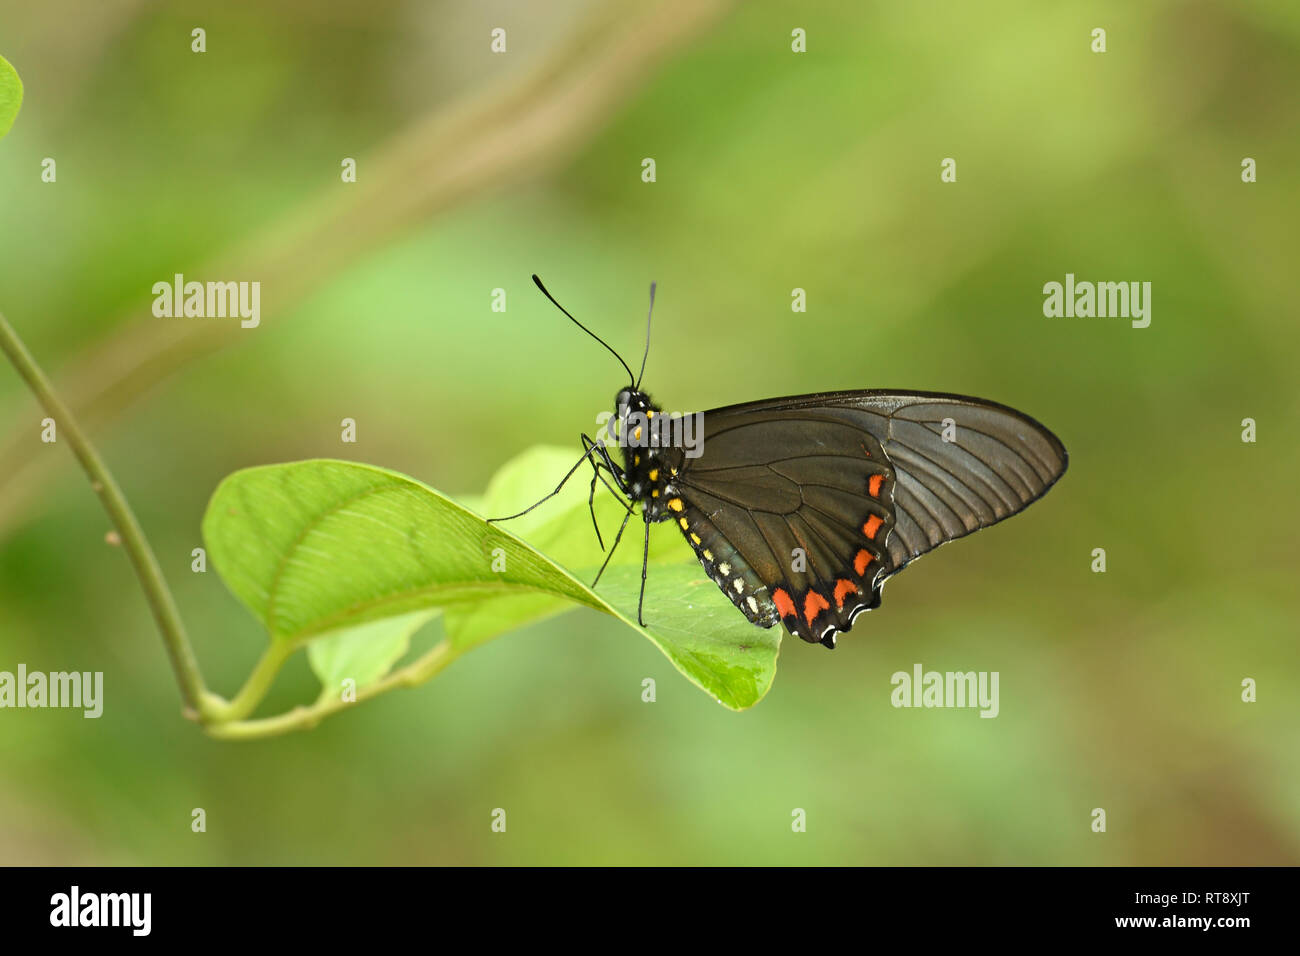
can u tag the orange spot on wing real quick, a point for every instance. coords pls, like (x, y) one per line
(784, 606)
(872, 526)
(861, 561)
(813, 604)
(843, 588)
(873, 485)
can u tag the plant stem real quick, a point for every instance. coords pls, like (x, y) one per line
(196, 697)
(304, 718)
(255, 687)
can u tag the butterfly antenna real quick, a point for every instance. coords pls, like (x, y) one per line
(539, 285)
(646, 354)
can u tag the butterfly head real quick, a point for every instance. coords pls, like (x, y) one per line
(634, 410)
(629, 400)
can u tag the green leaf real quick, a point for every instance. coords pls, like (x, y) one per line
(11, 95)
(364, 653)
(313, 547)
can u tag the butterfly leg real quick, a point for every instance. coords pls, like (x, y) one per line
(617, 538)
(563, 481)
(608, 464)
(612, 489)
(591, 505)
(645, 561)
(603, 454)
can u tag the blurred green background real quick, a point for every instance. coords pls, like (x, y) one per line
(775, 170)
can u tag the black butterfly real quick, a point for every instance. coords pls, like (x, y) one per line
(800, 509)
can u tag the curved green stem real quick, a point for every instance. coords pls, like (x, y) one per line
(304, 718)
(255, 687)
(196, 696)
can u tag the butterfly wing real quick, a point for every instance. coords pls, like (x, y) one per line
(801, 508)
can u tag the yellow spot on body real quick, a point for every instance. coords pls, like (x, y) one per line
(695, 538)
(637, 434)
(649, 413)
(708, 555)
(654, 474)
(676, 504)
(655, 493)
(636, 459)
(682, 522)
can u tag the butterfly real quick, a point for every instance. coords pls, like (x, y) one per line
(801, 508)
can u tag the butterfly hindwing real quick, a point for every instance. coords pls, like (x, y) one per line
(792, 495)
(728, 568)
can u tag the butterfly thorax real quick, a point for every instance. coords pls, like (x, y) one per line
(650, 462)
